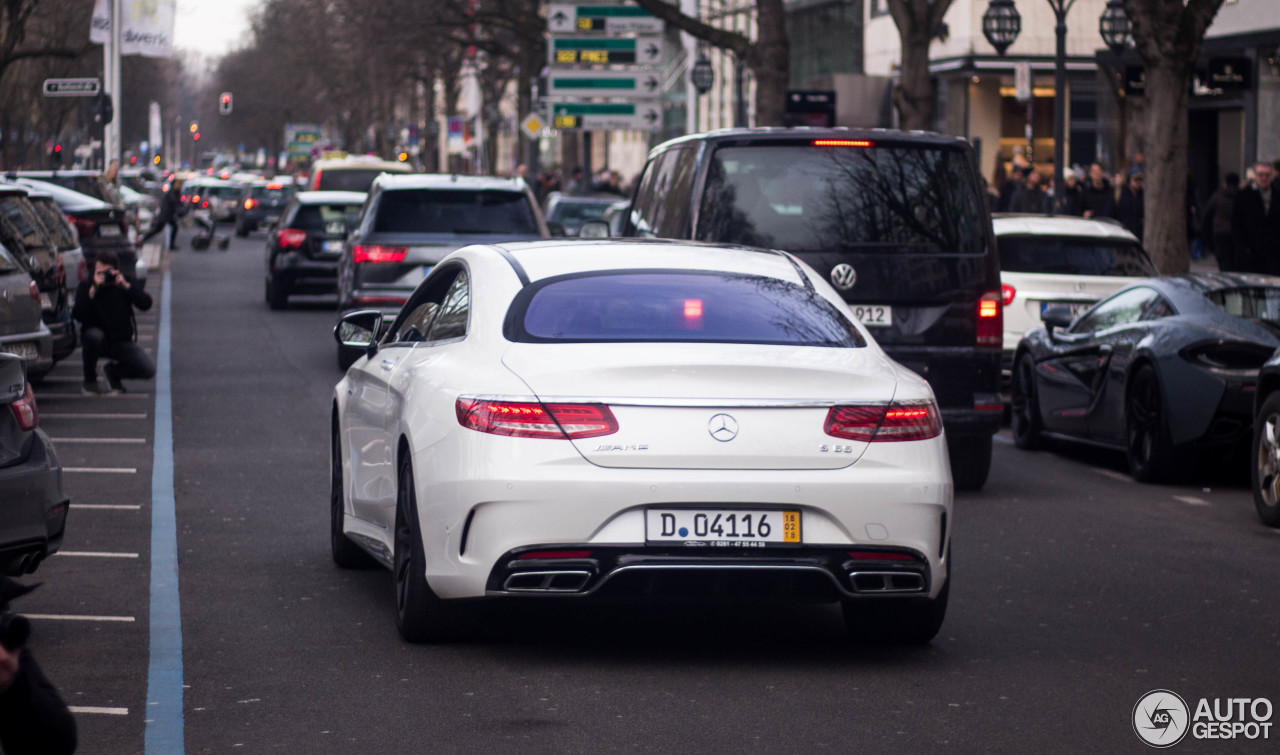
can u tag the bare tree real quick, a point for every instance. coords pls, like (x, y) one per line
(917, 22)
(1168, 35)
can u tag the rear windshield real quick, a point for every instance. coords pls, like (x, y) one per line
(223, 192)
(264, 192)
(1259, 302)
(329, 219)
(1073, 256)
(455, 211)
(806, 198)
(574, 214)
(677, 306)
(348, 179)
(21, 220)
(55, 223)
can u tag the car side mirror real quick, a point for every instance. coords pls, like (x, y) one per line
(1056, 316)
(594, 229)
(557, 230)
(359, 330)
(13, 378)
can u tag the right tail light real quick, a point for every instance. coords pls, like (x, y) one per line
(990, 330)
(871, 423)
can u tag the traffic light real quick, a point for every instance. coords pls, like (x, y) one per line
(224, 103)
(194, 127)
(156, 159)
(403, 157)
(195, 136)
(57, 154)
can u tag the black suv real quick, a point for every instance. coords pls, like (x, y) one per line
(896, 221)
(260, 204)
(303, 250)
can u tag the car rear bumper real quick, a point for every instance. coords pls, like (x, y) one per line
(34, 509)
(43, 341)
(966, 382)
(298, 274)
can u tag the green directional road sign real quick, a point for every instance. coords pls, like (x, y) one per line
(610, 19)
(570, 83)
(607, 116)
(592, 49)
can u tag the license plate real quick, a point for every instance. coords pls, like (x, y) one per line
(333, 246)
(873, 316)
(272, 219)
(108, 230)
(24, 349)
(721, 527)
(1077, 307)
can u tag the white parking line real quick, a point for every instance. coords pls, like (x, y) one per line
(73, 617)
(124, 441)
(91, 710)
(107, 506)
(1192, 500)
(90, 415)
(1118, 476)
(47, 395)
(102, 470)
(95, 554)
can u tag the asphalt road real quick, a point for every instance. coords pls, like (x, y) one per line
(1076, 591)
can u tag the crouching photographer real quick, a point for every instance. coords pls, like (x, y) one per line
(104, 306)
(33, 717)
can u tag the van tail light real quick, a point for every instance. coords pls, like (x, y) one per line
(378, 253)
(24, 410)
(290, 238)
(990, 330)
(870, 423)
(250, 203)
(1007, 293)
(525, 419)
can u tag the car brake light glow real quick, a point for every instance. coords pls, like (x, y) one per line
(275, 186)
(250, 203)
(555, 554)
(524, 419)
(1007, 293)
(378, 253)
(990, 328)
(841, 143)
(204, 204)
(85, 226)
(901, 420)
(291, 238)
(692, 308)
(880, 556)
(195, 199)
(25, 411)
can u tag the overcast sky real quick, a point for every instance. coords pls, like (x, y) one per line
(212, 27)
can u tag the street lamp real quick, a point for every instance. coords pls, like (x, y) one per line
(1001, 24)
(1115, 28)
(702, 76)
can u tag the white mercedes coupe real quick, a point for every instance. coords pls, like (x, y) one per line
(575, 418)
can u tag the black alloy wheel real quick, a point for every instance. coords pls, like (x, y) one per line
(346, 554)
(421, 616)
(1151, 455)
(1025, 421)
(277, 297)
(1266, 461)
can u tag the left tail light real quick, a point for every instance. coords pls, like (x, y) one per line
(990, 330)
(378, 253)
(250, 203)
(901, 420)
(86, 227)
(24, 409)
(524, 419)
(291, 238)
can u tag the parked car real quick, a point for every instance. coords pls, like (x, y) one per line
(35, 504)
(1061, 260)
(1161, 369)
(571, 418)
(22, 329)
(99, 226)
(303, 251)
(570, 211)
(72, 267)
(143, 207)
(88, 182)
(409, 223)
(897, 221)
(261, 204)
(352, 173)
(25, 236)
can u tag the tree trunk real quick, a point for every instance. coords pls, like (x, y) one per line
(914, 94)
(770, 62)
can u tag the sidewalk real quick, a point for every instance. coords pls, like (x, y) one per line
(152, 254)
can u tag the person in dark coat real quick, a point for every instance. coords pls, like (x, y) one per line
(1255, 224)
(167, 215)
(1030, 197)
(1069, 201)
(1131, 207)
(1098, 197)
(104, 306)
(33, 717)
(1215, 227)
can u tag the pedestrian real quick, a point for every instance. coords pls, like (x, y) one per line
(1099, 198)
(1014, 183)
(1070, 201)
(33, 716)
(167, 215)
(104, 306)
(1030, 198)
(577, 185)
(1215, 226)
(1255, 224)
(1131, 207)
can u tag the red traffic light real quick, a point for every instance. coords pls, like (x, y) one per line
(57, 148)
(195, 137)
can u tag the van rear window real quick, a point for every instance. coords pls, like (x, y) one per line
(348, 179)
(680, 305)
(1073, 255)
(805, 198)
(455, 211)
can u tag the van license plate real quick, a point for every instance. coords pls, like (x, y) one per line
(873, 316)
(731, 527)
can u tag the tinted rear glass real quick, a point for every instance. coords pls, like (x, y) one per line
(348, 179)
(678, 306)
(1073, 256)
(262, 192)
(55, 223)
(1259, 302)
(573, 214)
(805, 199)
(330, 219)
(455, 211)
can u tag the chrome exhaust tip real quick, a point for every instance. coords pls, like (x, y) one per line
(547, 581)
(886, 582)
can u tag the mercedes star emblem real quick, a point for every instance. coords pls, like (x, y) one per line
(723, 428)
(844, 276)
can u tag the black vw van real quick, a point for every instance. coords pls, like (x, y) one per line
(896, 221)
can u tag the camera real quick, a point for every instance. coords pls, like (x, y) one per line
(109, 276)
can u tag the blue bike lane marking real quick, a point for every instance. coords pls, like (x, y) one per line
(164, 722)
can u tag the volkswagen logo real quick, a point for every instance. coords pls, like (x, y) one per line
(844, 276)
(723, 428)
